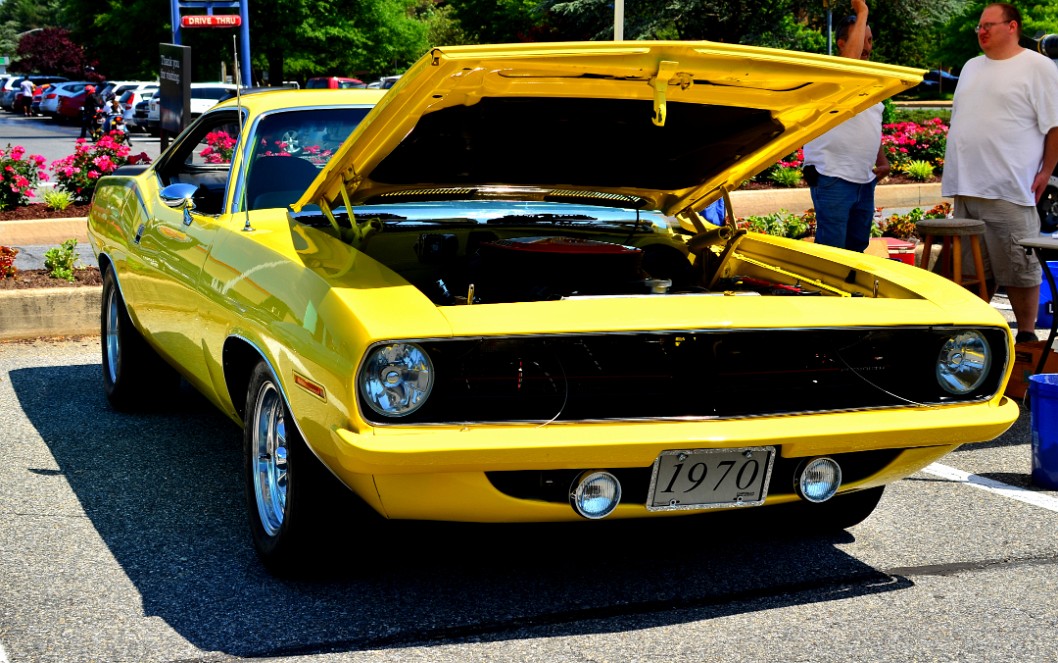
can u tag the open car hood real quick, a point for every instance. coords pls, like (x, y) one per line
(664, 125)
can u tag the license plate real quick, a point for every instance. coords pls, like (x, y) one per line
(710, 478)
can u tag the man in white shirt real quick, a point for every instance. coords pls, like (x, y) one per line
(843, 165)
(26, 87)
(1002, 148)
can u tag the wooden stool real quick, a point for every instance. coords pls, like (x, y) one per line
(951, 231)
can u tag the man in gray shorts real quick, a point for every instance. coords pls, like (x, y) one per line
(1002, 148)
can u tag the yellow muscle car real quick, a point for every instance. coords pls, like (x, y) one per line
(490, 294)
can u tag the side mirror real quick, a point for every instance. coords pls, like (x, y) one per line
(179, 196)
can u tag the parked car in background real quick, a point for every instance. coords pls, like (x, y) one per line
(485, 308)
(69, 106)
(940, 80)
(129, 99)
(7, 92)
(384, 83)
(333, 83)
(138, 121)
(49, 105)
(203, 97)
(114, 89)
(152, 119)
(207, 95)
(12, 98)
(38, 97)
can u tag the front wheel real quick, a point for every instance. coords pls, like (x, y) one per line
(836, 514)
(288, 490)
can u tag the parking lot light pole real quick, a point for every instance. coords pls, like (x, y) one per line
(618, 20)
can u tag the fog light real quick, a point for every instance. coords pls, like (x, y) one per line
(595, 494)
(819, 479)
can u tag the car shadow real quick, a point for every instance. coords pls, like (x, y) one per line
(163, 491)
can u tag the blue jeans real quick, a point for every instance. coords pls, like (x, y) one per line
(844, 212)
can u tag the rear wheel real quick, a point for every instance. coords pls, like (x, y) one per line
(133, 373)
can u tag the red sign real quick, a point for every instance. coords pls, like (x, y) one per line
(211, 21)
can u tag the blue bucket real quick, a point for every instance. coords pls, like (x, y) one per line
(1045, 314)
(1043, 399)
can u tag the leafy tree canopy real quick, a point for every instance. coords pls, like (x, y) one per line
(958, 42)
(366, 38)
(50, 51)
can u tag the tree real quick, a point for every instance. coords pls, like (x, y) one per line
(500, 21)
(123, 37)
(50, 51)
(958, 43)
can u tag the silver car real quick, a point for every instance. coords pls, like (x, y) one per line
(49, 104)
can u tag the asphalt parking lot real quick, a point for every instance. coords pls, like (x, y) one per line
(125, 540)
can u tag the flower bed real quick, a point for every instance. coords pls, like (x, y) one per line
(915, 151)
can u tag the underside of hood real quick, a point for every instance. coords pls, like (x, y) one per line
(666, 126)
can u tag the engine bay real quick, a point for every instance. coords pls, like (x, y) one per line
(481, 268)
(476, 253)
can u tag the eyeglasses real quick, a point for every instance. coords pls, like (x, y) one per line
(984, 27)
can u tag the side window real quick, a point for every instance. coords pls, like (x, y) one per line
(216, 146)
(202, 157)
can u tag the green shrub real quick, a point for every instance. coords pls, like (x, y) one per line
(920, 171)
(919, 115)
(780, 224)
(787, 177)
(59, 261)
(56, 199)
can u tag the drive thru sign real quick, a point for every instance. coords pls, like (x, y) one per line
(211, 21)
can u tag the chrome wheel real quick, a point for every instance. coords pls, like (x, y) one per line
(112, 334)
(269, 448)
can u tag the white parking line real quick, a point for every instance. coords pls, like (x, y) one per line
(1022, 495)
(3, 654)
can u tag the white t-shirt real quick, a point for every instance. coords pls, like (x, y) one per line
(849, 150)
(1001, 112)
(27, 88)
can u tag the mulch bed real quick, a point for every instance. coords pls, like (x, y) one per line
(39, 278)
(42, 211)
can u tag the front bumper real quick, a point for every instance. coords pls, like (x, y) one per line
(440, 472)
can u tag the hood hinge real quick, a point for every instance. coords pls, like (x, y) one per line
(667, 75)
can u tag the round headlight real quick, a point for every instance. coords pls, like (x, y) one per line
(595, 495)
(819, 480)
(396, 379)
(963, 362)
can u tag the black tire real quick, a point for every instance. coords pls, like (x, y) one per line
(838, 513)
(133, 373)
(1048, 207)
(289, 493)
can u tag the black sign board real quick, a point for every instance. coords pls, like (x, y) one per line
(174, 75)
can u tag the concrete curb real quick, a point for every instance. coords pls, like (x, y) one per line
(766, 201)
(74, 311)
(43, 312)
(43, 231)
